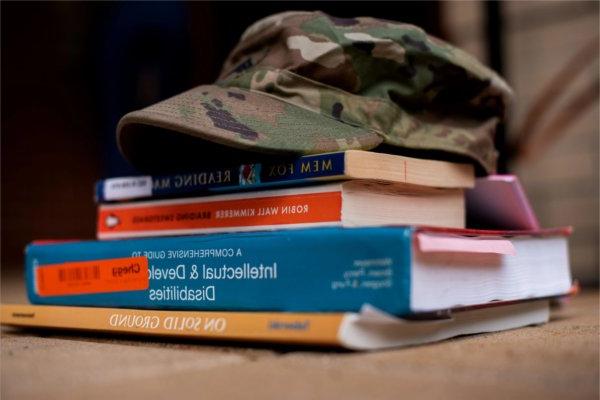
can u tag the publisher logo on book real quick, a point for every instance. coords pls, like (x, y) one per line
(111, 221)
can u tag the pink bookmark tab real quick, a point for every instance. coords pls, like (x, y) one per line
(453, 244)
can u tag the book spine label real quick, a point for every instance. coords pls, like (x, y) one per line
(99, 276)
(201, 215)
(297, 328)
(245, 176)
(307, 270)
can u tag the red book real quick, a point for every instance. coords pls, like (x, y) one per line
(350, 204)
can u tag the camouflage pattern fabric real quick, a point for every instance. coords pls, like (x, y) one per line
(307, 82)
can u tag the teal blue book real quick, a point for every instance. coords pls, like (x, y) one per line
(350, 164)
(304, 270)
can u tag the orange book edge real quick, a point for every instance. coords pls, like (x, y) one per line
(370, 329)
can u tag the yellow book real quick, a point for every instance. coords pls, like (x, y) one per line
(370, 329)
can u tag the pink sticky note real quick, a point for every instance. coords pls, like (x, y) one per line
(456, 244)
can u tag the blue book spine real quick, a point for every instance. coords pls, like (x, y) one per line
(246, 176)
(308, 270)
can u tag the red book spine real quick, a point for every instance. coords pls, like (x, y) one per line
(204, 215)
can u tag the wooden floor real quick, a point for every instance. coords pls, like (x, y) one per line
(556, 361)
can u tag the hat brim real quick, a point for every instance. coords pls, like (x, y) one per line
(209, 123)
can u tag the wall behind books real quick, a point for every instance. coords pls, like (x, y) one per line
(71, 70)
(541, 39)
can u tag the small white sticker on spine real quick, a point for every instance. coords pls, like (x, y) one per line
(127, 188)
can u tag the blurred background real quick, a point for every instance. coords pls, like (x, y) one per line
(71, 70)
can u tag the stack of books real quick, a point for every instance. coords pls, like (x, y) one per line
(359, 249)
(356, 249)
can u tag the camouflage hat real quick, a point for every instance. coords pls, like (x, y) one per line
(306, 82)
